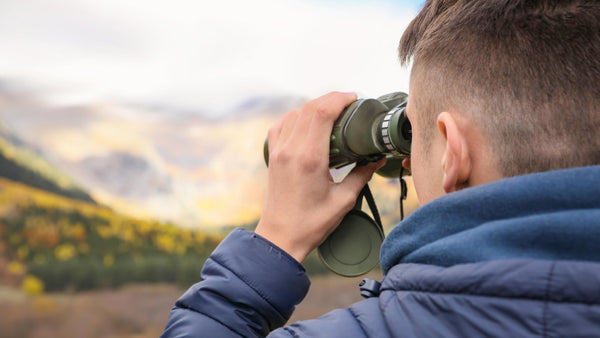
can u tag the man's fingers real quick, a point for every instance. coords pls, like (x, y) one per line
(300, 131)
(326, 110)
(289, 122)
(308, 129)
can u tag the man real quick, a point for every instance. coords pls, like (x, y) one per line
(505, 111)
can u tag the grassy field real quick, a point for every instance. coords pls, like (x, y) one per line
(135, 310)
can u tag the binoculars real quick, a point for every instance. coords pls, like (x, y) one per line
(366, 131)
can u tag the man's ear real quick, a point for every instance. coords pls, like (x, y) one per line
(456, 161)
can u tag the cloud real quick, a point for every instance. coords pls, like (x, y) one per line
(201, 55)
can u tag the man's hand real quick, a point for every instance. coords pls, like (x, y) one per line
(303, 204)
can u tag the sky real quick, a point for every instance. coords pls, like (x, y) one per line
(202, 56)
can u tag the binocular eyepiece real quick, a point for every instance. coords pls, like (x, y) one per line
(369, 129)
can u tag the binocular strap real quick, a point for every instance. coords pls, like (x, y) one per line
(366, 193)
(403, 193)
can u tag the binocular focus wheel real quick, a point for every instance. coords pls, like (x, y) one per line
(353, 248)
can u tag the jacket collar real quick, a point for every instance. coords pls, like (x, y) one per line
(549, 215)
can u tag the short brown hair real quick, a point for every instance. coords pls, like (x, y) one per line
(526, 71)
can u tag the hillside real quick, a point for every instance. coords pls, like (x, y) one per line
(20, 163)
(68, 244)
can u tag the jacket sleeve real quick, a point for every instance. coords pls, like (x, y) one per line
(248, 287)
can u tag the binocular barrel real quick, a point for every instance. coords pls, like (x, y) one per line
(369, 129)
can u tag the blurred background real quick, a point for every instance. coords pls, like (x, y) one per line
(131, 137)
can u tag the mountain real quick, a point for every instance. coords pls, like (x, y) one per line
(125, 175)
(156, 162)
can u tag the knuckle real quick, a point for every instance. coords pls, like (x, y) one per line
(318, 108)
(323, 111)
(281, 157)
(311, 162)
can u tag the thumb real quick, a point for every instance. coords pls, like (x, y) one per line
(359, 176)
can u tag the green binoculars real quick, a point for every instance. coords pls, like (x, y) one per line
(368, 130)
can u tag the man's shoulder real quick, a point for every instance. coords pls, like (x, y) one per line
(501, 298)
(554, 280)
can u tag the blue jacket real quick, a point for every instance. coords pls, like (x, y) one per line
(515, 258)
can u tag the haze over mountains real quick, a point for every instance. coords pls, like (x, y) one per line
(154, 162)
